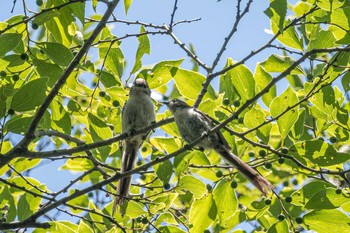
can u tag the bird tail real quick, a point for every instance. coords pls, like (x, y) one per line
(128, 162)
(257, 180)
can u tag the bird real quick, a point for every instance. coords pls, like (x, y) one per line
(192, 124)
(138, 112)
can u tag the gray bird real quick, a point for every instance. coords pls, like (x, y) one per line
(138, 112)
(192, 124)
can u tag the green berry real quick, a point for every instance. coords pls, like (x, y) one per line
(286, 183)
(262, 153)
(288, 199)
(144, 220)
(142, 177)
(10, 111)
(90, 194)
(209, 187)
(338, 191)
(240, 120)
(268, 201)
(107, 97)
(236, 103)
(295, 182)
(144, 149)
(299, 220)
(226, 101)
(280, 160)
(35, 26)
(281, 217)
(320, 138)
(102, 93)
(219, 174)
(284, 150)
(206, 231)
(15, 77)
(166, 186)
(234, 184)
(251, 154)
(24, 56)
(39, 2)
(333, 139)
(3, 73)
(116, 103)
(138, 219)
(268, 165)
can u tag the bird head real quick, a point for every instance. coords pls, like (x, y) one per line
(140, 86)
(176, 104)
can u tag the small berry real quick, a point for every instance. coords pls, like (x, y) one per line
(24, 56)
(15, 77)
(107, 97)
(251, 154)
(240, 120)
(102, 93)
(284, 150)
(281, 217)
(295, 182)
(333, 139)
(3, 73)
(35, 26)
(116, 103)
(234, 184)
(262, 153)
(226, 101)
(268, 201)
(39, 2)
(209, 187)
(206, 231)
(166, 186)
(10, 111)
(236, 103)
(139, 219)
(310, 77)
(144, 220)
(144, 149)
(285, 183)
(338, 191)
(90, 194)
(142, 177)
(268, 165)
(320, 138)
(299, 220)
(219, 174)
(280, 160)
(288, 199)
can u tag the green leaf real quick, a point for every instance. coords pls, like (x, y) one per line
(84, 228)
(114, 61)
(320, 153)
(202, 213)
(279, 105)
(29, 95)
(326, 199)
(279, 227)
(58, 53)
(63, 226)
(194, 185)
(254, 117)
(330, 5)
(345, 81)
(171, 229)
(189, 83)
(305, 193)
(134, 209)
(340, 19)
(262, 79)
(18, 124)
(78, 11)
(127, 4)
(144, 48)
(298, 128)
(60, 118)
(163, 72)
(8, 42)
(279, 64)
(162, 202)
(242, 80)
(100, 131)
(322, 40)
(289, 37)
(226, 202)
(325, 221)
(45, 16)
(164, 171)
(182, 161)
(78, 165)
(48, 70)
(23, 208)
(277, 12)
